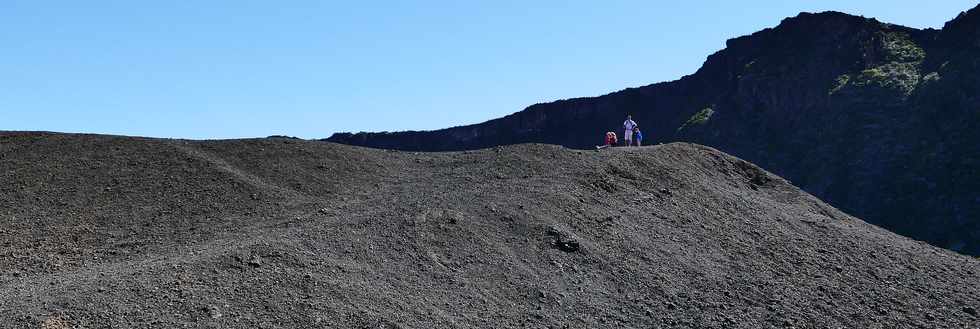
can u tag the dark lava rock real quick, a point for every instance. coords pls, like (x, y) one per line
(563, 241)
(255, 261)
(567, 245)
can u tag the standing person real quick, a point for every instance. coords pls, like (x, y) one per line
(628, 127)
(638, 136)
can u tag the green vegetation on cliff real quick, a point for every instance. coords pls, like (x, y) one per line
(897, 70)
(699, 118)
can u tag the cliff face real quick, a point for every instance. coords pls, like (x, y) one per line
(877, 119)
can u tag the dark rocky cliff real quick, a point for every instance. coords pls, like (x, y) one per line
(878, 119)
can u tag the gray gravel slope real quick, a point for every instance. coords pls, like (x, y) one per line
(120, 232)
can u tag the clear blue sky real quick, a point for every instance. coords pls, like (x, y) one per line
(226, 69)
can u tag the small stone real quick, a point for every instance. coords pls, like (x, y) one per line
(970, 310)
(213, 311)
(255, 261)
(568, 245)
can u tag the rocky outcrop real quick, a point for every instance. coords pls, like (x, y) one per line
(878, 119)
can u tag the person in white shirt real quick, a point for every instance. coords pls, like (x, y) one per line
(628, 127)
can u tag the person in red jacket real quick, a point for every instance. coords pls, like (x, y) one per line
(610, 141)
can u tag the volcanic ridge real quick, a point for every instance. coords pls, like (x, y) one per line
(109, 232)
